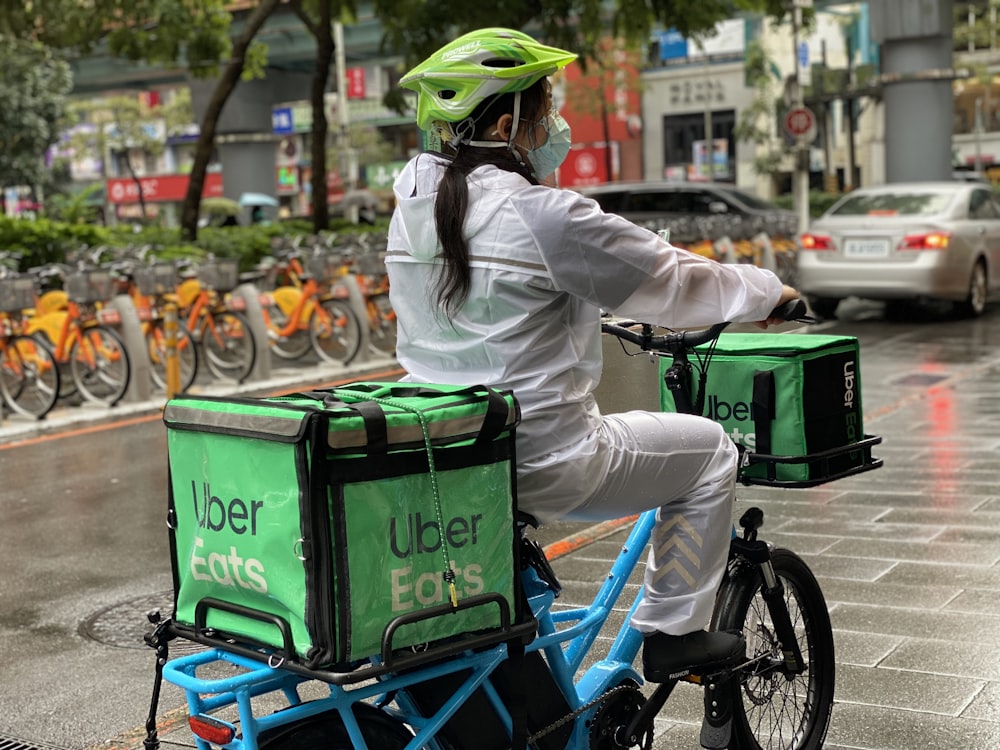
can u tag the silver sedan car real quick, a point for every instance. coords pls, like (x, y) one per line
(905, 241)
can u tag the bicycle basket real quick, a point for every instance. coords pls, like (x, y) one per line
(323, 266)
(370, 264)
(220, 274)
(17, 294)
(159, 278)
(89, 286)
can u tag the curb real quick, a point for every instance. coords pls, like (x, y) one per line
(17, 430)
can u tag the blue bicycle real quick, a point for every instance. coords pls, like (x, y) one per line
(526, 685)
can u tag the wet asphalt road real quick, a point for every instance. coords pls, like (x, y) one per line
(908, 556)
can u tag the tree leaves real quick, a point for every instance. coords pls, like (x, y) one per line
(34, 84)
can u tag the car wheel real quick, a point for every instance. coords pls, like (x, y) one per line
(975, 303)
(824, 307)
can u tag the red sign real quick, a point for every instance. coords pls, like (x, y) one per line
(169, 188)
(800, 122)
(355, 83)
(584, 166)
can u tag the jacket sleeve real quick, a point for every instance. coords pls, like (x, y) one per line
(630, 271)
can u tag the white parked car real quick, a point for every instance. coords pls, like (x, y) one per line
(905, 241)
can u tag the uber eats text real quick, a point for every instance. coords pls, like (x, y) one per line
(226, 569)
(413, 535)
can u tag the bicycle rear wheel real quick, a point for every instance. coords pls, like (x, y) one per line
(229, 346)
(187, 354)
(335, 332)
(293, 346)
(327, 732)
(29, 376)
(772, 710)
(99, 365)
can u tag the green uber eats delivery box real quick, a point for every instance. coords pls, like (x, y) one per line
(306, 524)
(792, 400)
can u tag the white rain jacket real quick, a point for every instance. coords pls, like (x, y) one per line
(545, 262)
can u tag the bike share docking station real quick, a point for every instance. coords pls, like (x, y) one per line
(126, 321)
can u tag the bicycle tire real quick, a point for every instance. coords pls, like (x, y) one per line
(770, 711)
(382, 322)
(327, 732)
(187, 353)
(335, 332)
(100, 365)
(67, 386)
(295, 346)
(228, 345)
(29, 376)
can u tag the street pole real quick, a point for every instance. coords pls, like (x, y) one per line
(800, 180)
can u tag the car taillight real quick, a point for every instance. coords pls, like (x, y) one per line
(211, 729)
(816, 242)
(926, 241)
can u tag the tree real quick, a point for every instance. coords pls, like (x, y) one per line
(591, 94)
(34, 84)
(319, 22)
(757, 122)
(245, 60)
(123, 126)
(416, 29)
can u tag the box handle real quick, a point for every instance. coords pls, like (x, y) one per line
(209, 603)
(440, 610)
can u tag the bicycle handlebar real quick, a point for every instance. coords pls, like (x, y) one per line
(683, 340)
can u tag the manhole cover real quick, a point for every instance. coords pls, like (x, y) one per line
(920, 379)
(123, 625)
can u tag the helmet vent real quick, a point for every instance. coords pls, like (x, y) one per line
(447, 94)
(500, 62)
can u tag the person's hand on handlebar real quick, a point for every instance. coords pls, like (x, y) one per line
(787, 295)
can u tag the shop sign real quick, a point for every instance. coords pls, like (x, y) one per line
(170, 188)
(585, 166)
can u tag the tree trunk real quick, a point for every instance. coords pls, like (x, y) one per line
(209, 122)
(138, 184)
(320, 128)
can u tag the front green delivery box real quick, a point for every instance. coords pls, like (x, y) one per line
(793, 401)
(308, 523)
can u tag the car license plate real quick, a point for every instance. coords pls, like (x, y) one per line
(866, 248)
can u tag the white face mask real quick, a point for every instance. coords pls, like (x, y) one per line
(547, 157)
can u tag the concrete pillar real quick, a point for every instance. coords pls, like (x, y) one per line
(916, 69)
(140, 384)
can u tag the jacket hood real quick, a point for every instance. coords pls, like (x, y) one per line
(416, 191)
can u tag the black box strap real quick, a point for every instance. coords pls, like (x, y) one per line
(762, 409)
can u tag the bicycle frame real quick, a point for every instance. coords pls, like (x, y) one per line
(789, 598)
(564, 637)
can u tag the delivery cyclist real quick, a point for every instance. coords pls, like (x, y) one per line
(499, 279)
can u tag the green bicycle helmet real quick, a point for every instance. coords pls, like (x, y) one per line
(476, 66)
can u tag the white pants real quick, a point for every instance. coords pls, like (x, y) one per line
(685, 466)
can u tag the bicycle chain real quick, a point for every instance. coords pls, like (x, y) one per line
(572, 715)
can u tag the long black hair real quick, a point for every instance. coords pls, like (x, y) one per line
(453, 191)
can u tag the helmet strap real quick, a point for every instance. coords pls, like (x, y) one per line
(463, 129)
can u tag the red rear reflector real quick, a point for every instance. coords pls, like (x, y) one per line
(211, 729)
(816, 242)
(926, 241)
(237, 303)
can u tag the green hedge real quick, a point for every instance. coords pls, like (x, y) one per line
(43, 241)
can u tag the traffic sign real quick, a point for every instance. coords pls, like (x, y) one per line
(800, 122)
